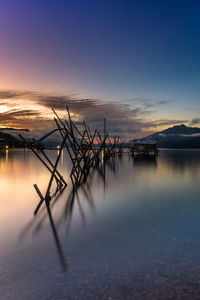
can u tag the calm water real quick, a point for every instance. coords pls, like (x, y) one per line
(132, 232)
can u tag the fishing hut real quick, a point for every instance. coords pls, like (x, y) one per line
(145, 147)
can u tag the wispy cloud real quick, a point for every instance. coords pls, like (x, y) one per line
(127, 119)
(10, 94)
(19, 118)
(195, 121)
(159, 123)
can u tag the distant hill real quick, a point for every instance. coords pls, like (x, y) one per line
(178, 137)
(181, 129)
(8, 140)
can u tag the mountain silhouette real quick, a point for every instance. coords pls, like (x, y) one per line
(8, 140)
(178, 137)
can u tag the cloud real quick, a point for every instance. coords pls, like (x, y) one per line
(10, 94)
(15, 113)
(120, 115)
(17, 118)
(158, 123)
(163, 102)
(190, 135)
(131, 118)
(149, 102)
(195, 121)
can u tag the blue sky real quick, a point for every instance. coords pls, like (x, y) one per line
(122, 51)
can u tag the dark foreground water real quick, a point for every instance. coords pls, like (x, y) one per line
(132, 232)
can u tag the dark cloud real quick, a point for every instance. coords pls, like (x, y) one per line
(88, 108)
(123, 118)
(163, 102)
(13, 94)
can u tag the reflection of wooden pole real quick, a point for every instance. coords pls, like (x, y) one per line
(104, 130)
(58, 244)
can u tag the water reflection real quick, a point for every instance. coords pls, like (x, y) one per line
(57, 241)
(131, 220)
(76, 194)
(142, 162)
(181, 160)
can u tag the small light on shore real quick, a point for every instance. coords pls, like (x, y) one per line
(58, 147)
(6, 146)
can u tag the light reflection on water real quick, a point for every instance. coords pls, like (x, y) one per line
(131, 231)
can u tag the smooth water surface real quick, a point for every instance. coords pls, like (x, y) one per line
(131, 232)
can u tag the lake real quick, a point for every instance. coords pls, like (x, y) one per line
(132, 231)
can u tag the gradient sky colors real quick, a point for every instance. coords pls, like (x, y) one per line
(140, 59)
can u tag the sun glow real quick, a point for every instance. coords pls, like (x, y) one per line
(4, 108)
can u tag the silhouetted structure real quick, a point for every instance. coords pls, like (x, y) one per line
(80, 145)
(144, 147)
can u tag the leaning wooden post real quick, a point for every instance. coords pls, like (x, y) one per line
(44, 163)
(47, 197)
(62, 181)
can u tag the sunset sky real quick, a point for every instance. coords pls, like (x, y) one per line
(136, 63)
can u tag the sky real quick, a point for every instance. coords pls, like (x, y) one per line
(135, 63)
